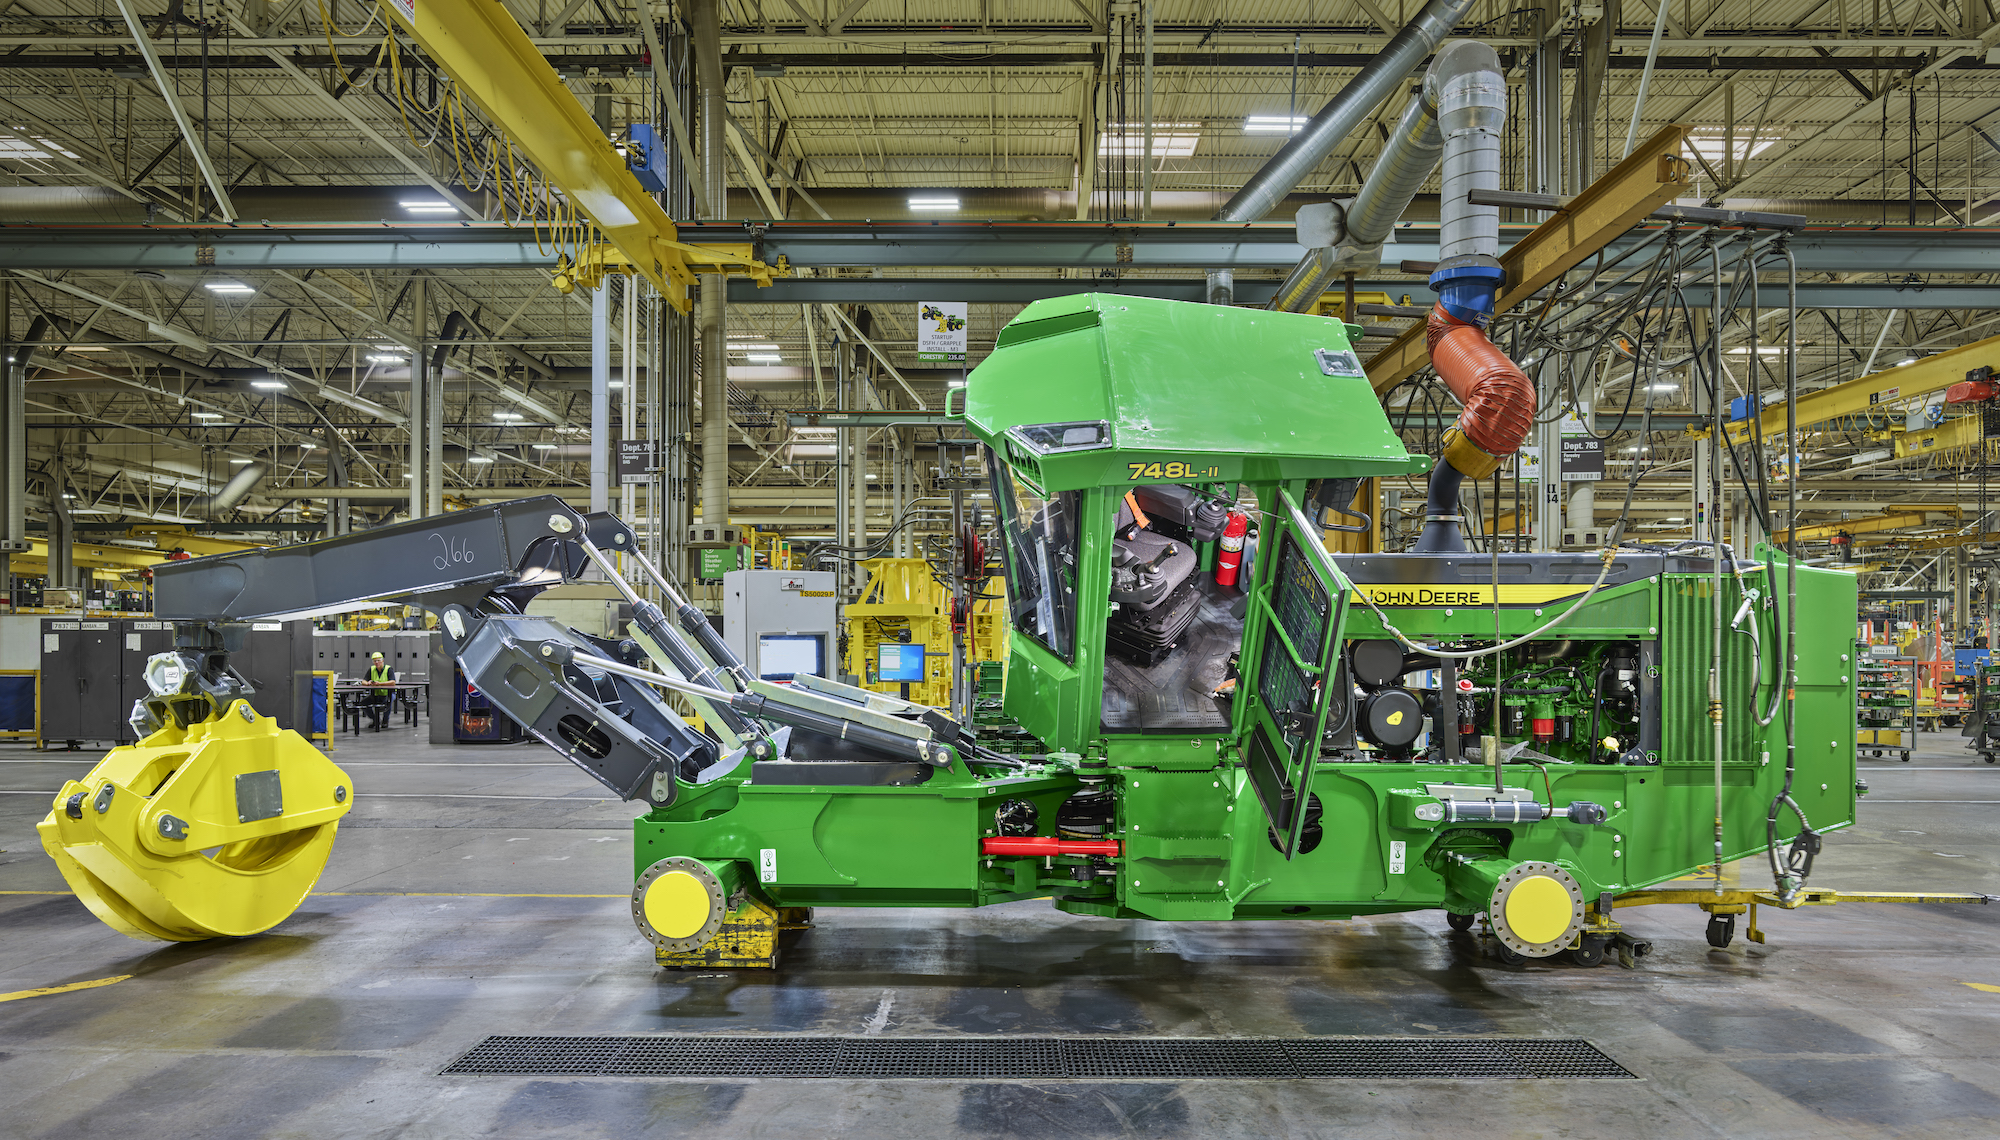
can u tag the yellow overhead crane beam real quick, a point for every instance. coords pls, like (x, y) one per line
(1937, 542)
(1892, 386)
(482, 47)
(1647, 179)
(1820, 532)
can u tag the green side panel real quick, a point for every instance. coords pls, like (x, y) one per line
(1687, 622)
(1044, 694)
(1189, 391)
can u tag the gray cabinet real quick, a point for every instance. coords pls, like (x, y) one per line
(83, 681)
(94, 669)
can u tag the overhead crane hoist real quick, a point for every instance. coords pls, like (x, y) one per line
(487, 54)
(1209, 752)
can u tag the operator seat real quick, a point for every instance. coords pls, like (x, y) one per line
(1146, 568)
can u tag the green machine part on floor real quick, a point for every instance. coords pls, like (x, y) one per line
(1236, 720)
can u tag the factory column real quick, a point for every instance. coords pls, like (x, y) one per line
(600, 396)
(420, 456)
(13, 442)
(705, 23)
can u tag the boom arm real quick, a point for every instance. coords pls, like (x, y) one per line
(477, 570)
(585, 697)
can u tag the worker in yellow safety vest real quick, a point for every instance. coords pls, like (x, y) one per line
(379, 673)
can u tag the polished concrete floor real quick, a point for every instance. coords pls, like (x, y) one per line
(479, 891)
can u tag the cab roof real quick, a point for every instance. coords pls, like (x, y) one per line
(1096, 388)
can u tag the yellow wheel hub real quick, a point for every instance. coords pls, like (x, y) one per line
(219, 829)
(680, 903)
(1538, 909)
(677, 904)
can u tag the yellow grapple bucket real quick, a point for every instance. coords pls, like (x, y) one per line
(218, 829)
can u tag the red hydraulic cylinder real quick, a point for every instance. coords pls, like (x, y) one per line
(1048, 845)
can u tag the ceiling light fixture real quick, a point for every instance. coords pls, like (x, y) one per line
(543, 446)
(267, 385)
(933, 203)
(431, 207)
(228, 287)
(1274, 124)
(753, 348)
(384, 358)
(1128, 140)
(206, 415)
(765, 358)
(479, 459)
(507, 415)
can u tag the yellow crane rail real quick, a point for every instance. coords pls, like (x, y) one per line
(1892, 386)
(485, 51)
(1648, 178)
(1898, 520)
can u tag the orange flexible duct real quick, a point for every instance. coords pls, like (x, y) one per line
(1499, 401)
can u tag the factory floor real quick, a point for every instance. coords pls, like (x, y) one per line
(480, 890)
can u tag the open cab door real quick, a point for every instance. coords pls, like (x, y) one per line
(1291, 680)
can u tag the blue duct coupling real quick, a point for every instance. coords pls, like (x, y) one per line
(1469, 291)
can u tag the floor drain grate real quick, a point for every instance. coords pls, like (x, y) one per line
(1048, 1058)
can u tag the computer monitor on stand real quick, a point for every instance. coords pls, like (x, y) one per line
(895, 661)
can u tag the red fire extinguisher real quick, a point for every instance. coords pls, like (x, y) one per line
(1231, 555)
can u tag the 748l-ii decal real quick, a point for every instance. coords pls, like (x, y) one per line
(1174, 470)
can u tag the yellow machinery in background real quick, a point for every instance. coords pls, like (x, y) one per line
(769, 550)
(902, 602)
(986, 627)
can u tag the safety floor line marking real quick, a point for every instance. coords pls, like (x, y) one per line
(47, 990)
(397, 895)
(87, 758)
(1873, 800)
(418, 796)
(453, 895)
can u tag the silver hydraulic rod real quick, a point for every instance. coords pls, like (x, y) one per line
(679, 685)
(672, 652)
(922, 750)
(711, 644)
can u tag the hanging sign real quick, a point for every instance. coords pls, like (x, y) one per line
(941, 330)
(638, 459)
(1582, 453)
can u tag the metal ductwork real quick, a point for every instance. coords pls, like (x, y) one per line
(1470, 92)
(1342, 114)
(68, 328)
(1353, 242)
(238, 488)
